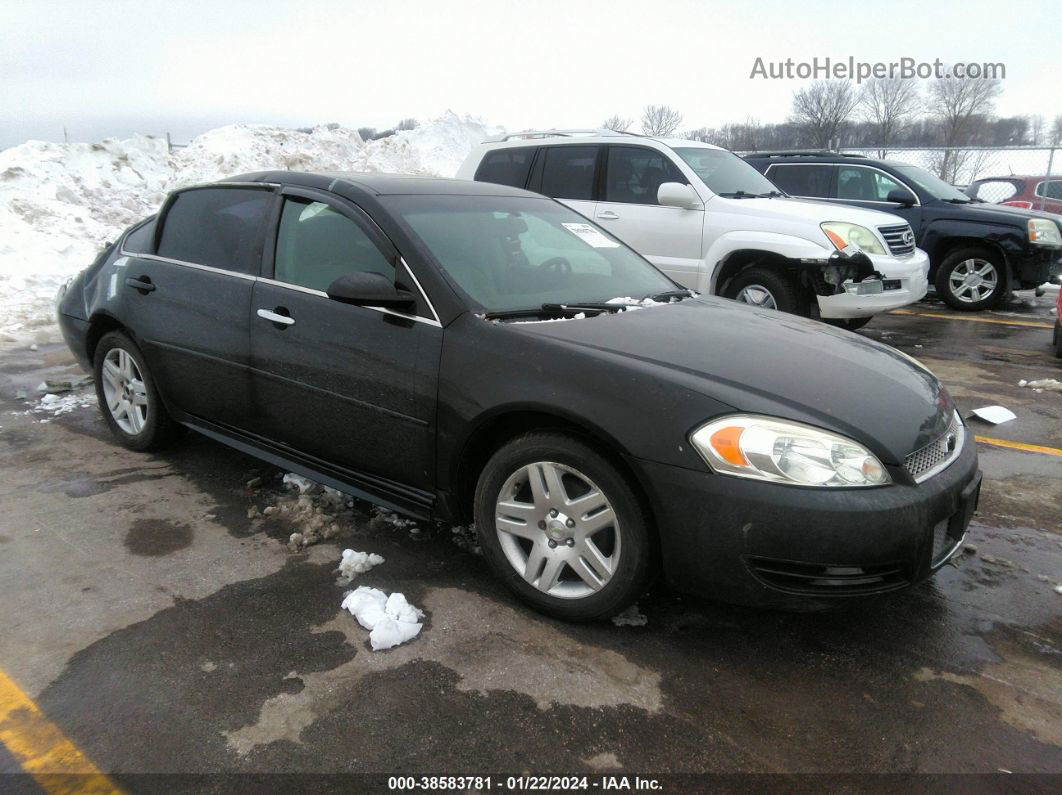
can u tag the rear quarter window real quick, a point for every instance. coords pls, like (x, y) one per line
(219, 227)
(506, 166)
(994, 190)
(803, 179)
(141, 238)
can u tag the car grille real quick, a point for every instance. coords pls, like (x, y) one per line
(827, 580)
(938, 454)
(895, 236)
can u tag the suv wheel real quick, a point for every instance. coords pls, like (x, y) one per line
(562, 527)
(768, 288)
(127, 395)
(971, 278)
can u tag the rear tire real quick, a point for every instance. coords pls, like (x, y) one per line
(128, 396)
(769, 288)
(578, 561)
(971, 278)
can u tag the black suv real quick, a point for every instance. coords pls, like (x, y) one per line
(463, 350)
(978, 252)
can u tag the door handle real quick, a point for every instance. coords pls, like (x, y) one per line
(143, 284)
(608, 215)
(273, 317)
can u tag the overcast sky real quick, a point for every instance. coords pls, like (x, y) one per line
(102, 67)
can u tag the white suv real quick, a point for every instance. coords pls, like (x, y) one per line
(715, 224)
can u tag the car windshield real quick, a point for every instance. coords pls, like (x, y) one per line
(725, 173)
(517, 253)
(932, 184)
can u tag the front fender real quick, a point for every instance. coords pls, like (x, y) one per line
(725, 246)
(1011, 241)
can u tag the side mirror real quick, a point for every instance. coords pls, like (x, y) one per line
(675, 194)
(901, 196)
(370, 289)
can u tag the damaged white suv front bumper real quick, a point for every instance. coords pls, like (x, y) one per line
(904, 281)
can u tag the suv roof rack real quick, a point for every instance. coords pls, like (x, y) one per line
(803, 153)
(561, 134)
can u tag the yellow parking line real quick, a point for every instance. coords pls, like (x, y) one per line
(971, 319)
(58, 766)
(1028, 448)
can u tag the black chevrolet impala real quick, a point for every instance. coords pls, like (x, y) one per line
(466, 351)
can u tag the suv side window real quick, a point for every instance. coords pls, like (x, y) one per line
(219, 227)
(802, 179)
(506, 166)
(865, 184)
(316, 244)
(634, 174)
(994, 190)
(569, 172)
(1052, 189)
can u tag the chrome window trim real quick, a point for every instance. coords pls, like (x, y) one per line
(321, 294)
(195, 265)
(918, 202)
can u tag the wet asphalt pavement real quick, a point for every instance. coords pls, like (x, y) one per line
(162, 630)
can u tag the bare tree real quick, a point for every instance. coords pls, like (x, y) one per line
(823, 109)
(960, 107)
(406, 124)
(889, 105)
(617, 123)
(660, 120)
(1055, 137)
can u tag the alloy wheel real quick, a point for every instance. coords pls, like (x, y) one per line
(973, 280)
(125, 391)
(558, 530)
(757, 295)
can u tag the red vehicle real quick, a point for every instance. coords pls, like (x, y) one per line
(1028, 193)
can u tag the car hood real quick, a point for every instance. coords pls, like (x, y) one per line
(811, 211)
(998, 213)
(767, 362)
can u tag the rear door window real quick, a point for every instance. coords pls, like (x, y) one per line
(569, 172)
(634, 174)
(219, 227)
(506, 166)
(865, 184)
(316, 244)
(803, 179)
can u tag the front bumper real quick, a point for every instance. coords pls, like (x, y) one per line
(752, 542)
(912, 272)
(1035, 265)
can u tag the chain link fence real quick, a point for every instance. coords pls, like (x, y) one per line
(1003, 167)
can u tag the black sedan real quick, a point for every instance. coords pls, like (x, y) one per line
(466, 351)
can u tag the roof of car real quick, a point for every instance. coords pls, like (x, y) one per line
(383, 184)
(822, 157)
(575, 138)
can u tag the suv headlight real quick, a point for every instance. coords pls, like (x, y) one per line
(1044, 232)
(780, 451)
(843, 235)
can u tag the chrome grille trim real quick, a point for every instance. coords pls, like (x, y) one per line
(894, 236)
(935, 457)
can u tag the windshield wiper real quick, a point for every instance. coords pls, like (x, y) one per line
(740, 194)
(667, 295)
(580, 306)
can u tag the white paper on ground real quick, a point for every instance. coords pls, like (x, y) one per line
(994, 414)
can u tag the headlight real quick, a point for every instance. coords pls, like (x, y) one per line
(843, 235)
(781, 451)
(1044, 232)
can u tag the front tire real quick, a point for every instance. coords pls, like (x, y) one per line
(128, 396)
(850, 324)
(562, 527)
(769, 288)
(971, 278)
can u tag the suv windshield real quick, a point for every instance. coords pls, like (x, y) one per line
(932, 184)
(515, 253)
(725, 173)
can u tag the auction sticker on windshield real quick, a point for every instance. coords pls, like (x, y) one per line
(590, 236)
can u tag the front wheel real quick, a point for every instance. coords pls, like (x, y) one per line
(971, 279)
(768, 288)
(128, 396)
(562, 527)
(850, 324)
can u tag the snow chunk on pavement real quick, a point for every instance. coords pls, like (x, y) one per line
(298, 482)
(391, 620)
(1050, 384)
(355, 563)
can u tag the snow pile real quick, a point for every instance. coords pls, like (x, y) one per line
(57, 405)
(355, 563)
(60, 203)
(391, 620)
(1049, 384)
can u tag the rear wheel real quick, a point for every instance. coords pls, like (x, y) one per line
(562, 527)
(128, 396)
(768, 288)
(971, 278)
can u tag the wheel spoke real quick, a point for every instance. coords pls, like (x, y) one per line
(592, 567)
(587, 503)
(125, 364)
(551, 573)
(518, 528)
(135, 421)
(599, 521)
(112, 374)
(984, 270)
(552, 476)
(140, 397)
(535, 558)
(120, 410)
